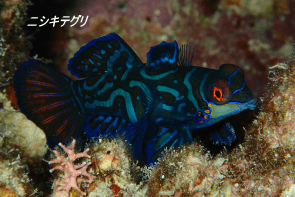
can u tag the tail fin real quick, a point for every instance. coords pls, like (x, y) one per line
(44, 96)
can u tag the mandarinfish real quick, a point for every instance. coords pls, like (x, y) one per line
(154, 105)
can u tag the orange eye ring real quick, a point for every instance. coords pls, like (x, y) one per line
(217, 94)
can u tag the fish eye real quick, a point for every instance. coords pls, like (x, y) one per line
(217, 94)
(218, 91)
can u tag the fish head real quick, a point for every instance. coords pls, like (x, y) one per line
(226, 93)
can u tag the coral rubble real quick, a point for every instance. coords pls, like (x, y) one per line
(21, 143)
(17, 131)
(113, 166)
(109, 171)
(14, 179)
(14, 45)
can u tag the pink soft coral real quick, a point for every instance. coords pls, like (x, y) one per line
(74, 174)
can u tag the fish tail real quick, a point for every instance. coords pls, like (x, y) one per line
(44, 95)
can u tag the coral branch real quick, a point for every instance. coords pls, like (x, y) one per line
(74, 174)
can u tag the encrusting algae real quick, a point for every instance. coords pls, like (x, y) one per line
(14, 44)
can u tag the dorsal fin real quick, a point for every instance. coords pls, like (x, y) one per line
(164, 54)
(104, 54)
(185, 56)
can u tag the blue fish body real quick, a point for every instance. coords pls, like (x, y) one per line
(154, 105)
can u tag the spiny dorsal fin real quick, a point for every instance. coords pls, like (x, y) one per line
(185, 56)
(164, 54)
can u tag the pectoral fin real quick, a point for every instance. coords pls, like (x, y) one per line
(225, 135)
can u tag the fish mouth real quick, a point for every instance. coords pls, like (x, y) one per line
(252, 104)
